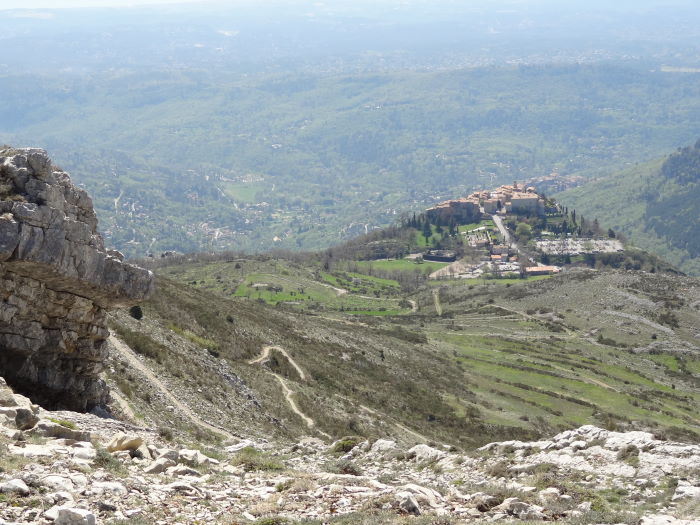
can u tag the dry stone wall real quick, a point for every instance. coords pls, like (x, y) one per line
(56, 282)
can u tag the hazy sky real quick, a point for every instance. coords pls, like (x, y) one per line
(33, 4)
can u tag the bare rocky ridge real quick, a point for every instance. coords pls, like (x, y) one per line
(70, 468)
(56, 280)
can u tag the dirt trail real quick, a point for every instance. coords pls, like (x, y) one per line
(288, 393)
(436, 299)
(123, 406)
(266, 354)
(129, 355)
(419, 437)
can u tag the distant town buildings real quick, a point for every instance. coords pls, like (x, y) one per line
(516, 198)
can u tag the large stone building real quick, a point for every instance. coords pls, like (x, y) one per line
(516, 199)
(462, 211)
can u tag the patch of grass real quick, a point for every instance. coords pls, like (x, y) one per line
(105, 460)
(401, 265)
(141, 343)
(64, 423)
(272, 520)
(252, 459)
(196, 339)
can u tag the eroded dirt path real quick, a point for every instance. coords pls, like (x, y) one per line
(128, 354)
(266, 354)
(436, 299)
(288, 393)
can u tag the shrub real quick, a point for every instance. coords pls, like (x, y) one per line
(629, 454)
(64, 423)
(252, 459)
(136, 312)
(105, 460)
(344, 466)
(346, 444)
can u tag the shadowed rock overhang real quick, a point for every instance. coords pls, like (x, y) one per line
(56, 282)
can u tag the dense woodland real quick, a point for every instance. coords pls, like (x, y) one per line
(655, 204)
(190, 160)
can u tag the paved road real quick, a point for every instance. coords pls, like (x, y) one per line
(504, 232)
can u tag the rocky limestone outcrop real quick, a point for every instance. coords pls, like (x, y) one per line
(79, 468)
(56, 282)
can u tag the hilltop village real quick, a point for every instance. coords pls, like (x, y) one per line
(513, 231)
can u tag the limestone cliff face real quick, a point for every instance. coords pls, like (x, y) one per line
(56, 282)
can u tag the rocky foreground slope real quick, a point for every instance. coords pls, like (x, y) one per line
(70, 468)
(56, 281)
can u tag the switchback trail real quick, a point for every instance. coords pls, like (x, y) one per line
(288, 393)
(128, 354)
(266, 354)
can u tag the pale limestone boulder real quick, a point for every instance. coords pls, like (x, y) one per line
(109, 487)
(424, 452)
(74, 516)
(407, 503)
(124, 441)
(181, 470)
(195, 458)
(14, 486)
(382, 446)
(159, 465)
(50, 429)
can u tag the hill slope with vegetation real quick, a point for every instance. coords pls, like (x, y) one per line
(655, 204)
(457, 361)
(194, 161)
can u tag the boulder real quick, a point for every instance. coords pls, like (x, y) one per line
(181, 470)
(50, 429)
(549, 495)
(159, 465)
(14, 486)
(520, 509)
(382, 446)
(195, 458)
(484, 502)
(423, 495)
(25, 419)
(686, 491)
(407, 503)
(123, 441)
(109, 487)
(74, 516)
(169, 453)
(424, 452)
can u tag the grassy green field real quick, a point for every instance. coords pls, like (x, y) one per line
(401, 265)
(245, 191)
(279, 282)
(488, 223)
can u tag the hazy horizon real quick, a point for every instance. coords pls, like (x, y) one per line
(593, 5)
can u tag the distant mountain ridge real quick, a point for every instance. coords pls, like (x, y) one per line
(656, 204)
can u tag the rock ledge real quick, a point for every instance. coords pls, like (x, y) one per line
(56, 280)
